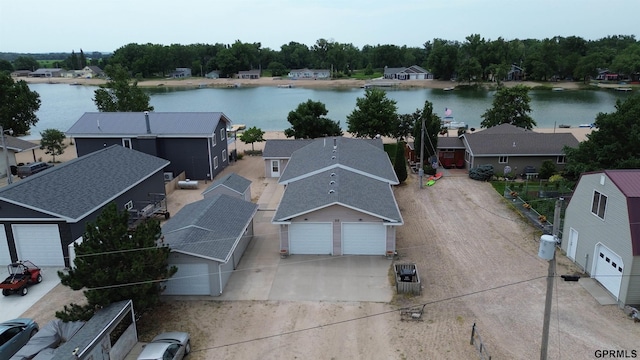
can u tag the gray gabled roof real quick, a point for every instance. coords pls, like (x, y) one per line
(162, 124)
(357, 155)
(17, 144)
(450, 142)
(345, 188)
(209, 228)
(283, 148)
(510, 140)
(79, 187)
(232, 181)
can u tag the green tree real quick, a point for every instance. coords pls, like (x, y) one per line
(510, 106)
(308, 121)
(613, 145)
(400, 163)
(18, 105)
(547, 169)
(375, 114)
(432, 126)
(113, 264)
(52, 142)
(252, 135)
(26, 63)
(277, 69)
(120, 94)
(5, 66)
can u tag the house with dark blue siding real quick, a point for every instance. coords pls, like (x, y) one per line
(195, 143)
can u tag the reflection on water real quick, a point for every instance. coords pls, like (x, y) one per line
(267, 107)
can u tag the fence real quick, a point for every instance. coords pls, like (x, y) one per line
(407, 279)
(477, 341)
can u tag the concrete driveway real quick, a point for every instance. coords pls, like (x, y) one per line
(13, 306)
(263, 275)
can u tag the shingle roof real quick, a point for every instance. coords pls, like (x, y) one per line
(507, 139)
(162, 124)
(451, 142)
(352, 190)
(283, 148)
(76, 188)
(232, 181)
(18, 145)
(209, 228)
(326, 153)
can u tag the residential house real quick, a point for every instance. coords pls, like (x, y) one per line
(413, 72)
(89, 72)
(249, 74)
(14, 145)
(509, 145)
(277, 152)
(207, 239)
(43, 214)
(215, 74)
(180, 73)
(111, 333)
(338, 200)
(20, 73)
(42, 72)
(307, 74)
(516, 73)
(601, 231)
(233, 185)
(195, 143)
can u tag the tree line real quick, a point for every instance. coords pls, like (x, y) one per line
(475, 59)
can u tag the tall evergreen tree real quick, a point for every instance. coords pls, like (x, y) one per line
(114, 264)
(400, 163)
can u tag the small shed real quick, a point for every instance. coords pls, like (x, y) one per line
(232, 185)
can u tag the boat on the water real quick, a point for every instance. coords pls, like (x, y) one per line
(449, 123)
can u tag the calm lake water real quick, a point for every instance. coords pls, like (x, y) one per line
(267, 107)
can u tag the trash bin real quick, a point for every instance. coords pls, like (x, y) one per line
(407, 274)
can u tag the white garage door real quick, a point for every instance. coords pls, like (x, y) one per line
(608, 269)
(311, 238)
(190, 279)
(5, 258)
(364, 239)
(39, 243)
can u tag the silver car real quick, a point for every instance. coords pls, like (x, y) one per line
(14, 334)
(167, 346)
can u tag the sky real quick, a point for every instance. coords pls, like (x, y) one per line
(40, 26)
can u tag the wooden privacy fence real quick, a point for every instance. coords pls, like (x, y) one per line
(407, 279)
(477, 341)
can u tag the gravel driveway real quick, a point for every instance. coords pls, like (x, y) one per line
(478, 262)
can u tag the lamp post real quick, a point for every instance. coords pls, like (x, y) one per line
(6, 153)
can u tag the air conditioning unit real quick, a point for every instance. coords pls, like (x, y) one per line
(168, 176)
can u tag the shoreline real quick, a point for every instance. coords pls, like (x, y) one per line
(283, 82)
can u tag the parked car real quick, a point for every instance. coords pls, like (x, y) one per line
(167, 346)
(14, 334)
(32, 168)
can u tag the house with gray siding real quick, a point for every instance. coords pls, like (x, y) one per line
(207, 240)
(413, 72)
(13, 145)
(232, 185)
(601, 231)
(509, 145)
(338, 200)
(308, 74)
(43, 214)
(195, 143)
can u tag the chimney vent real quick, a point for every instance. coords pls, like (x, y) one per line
(146, 119)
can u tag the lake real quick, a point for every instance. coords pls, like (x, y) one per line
(267, 107)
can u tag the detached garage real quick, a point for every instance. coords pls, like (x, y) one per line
(608, 269)
(207, 239)
(39, 243)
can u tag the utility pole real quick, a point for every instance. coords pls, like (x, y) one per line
(421, 169)
(544, 346)
(6, 154)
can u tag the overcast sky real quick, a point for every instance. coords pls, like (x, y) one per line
(38, 26)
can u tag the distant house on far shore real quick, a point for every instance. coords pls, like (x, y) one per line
(413, 72)
(215, 74)
(249, 74)
(314, 74)
(47, 73)
(180, 73)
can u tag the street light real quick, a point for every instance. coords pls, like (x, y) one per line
(6, 153)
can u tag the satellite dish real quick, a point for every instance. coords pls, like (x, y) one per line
(507, 169)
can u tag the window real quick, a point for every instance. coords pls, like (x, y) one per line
(215, 162)
(275, 166)
(222, 134)
(127, 143)
(503, 159)
(224, 155)
(129, 205)
(560, 159)
(213, 138)
(599, 204)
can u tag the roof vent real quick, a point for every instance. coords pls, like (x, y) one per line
(332, 174)
(514, 144)
(331, 191)
(332, 182)
(335, 143)
(333, 157)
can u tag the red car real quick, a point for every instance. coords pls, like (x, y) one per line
(21, 275)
